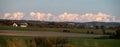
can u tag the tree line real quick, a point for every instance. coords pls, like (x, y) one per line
(43, 24)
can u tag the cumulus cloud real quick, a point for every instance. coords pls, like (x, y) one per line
(40, 16)
(69, 17)
(6, 15)
(97, 17)
(85, 17)
(14, 16)
(17, 16)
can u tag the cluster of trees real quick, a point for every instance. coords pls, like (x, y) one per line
(52, 25)
(5, 22)
(90, 32)
(116, 35)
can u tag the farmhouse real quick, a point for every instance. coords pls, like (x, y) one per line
(15, 25)
(23, 25)
(20, 25)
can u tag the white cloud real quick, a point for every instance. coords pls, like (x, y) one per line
(67, 17)
(85, 17)
(71, 17)
(14, 16)
(40, 16)
(6, 15)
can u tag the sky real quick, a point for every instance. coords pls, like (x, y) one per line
(61, 10)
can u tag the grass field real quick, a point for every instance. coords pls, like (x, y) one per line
(82, 42)
(74, 30)
(78, 42)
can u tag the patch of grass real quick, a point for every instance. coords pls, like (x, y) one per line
(89, 42)
(30, 28)
(10, 41)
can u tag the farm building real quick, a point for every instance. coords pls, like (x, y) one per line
(20, 25)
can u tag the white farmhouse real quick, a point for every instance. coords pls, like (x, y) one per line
(15, 25)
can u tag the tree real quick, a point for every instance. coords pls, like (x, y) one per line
(118, 33)
(103, 29)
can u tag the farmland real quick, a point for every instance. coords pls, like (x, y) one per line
(72, 30)
(68, 41)
(33, 41)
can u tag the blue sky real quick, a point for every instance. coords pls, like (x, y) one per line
(57, 7)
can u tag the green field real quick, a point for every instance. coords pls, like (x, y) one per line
(73, 41)
(82, 42)
(73, 30)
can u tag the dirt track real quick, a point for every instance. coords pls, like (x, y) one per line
(45, 34)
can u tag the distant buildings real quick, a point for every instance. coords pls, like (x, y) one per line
(15, 25)
(20, 25)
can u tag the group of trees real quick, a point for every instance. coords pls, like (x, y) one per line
(5, 22)
(52, 25)
(116, 35)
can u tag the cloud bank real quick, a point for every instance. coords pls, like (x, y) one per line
(69, 17)
(40, 16)
(14, 16)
